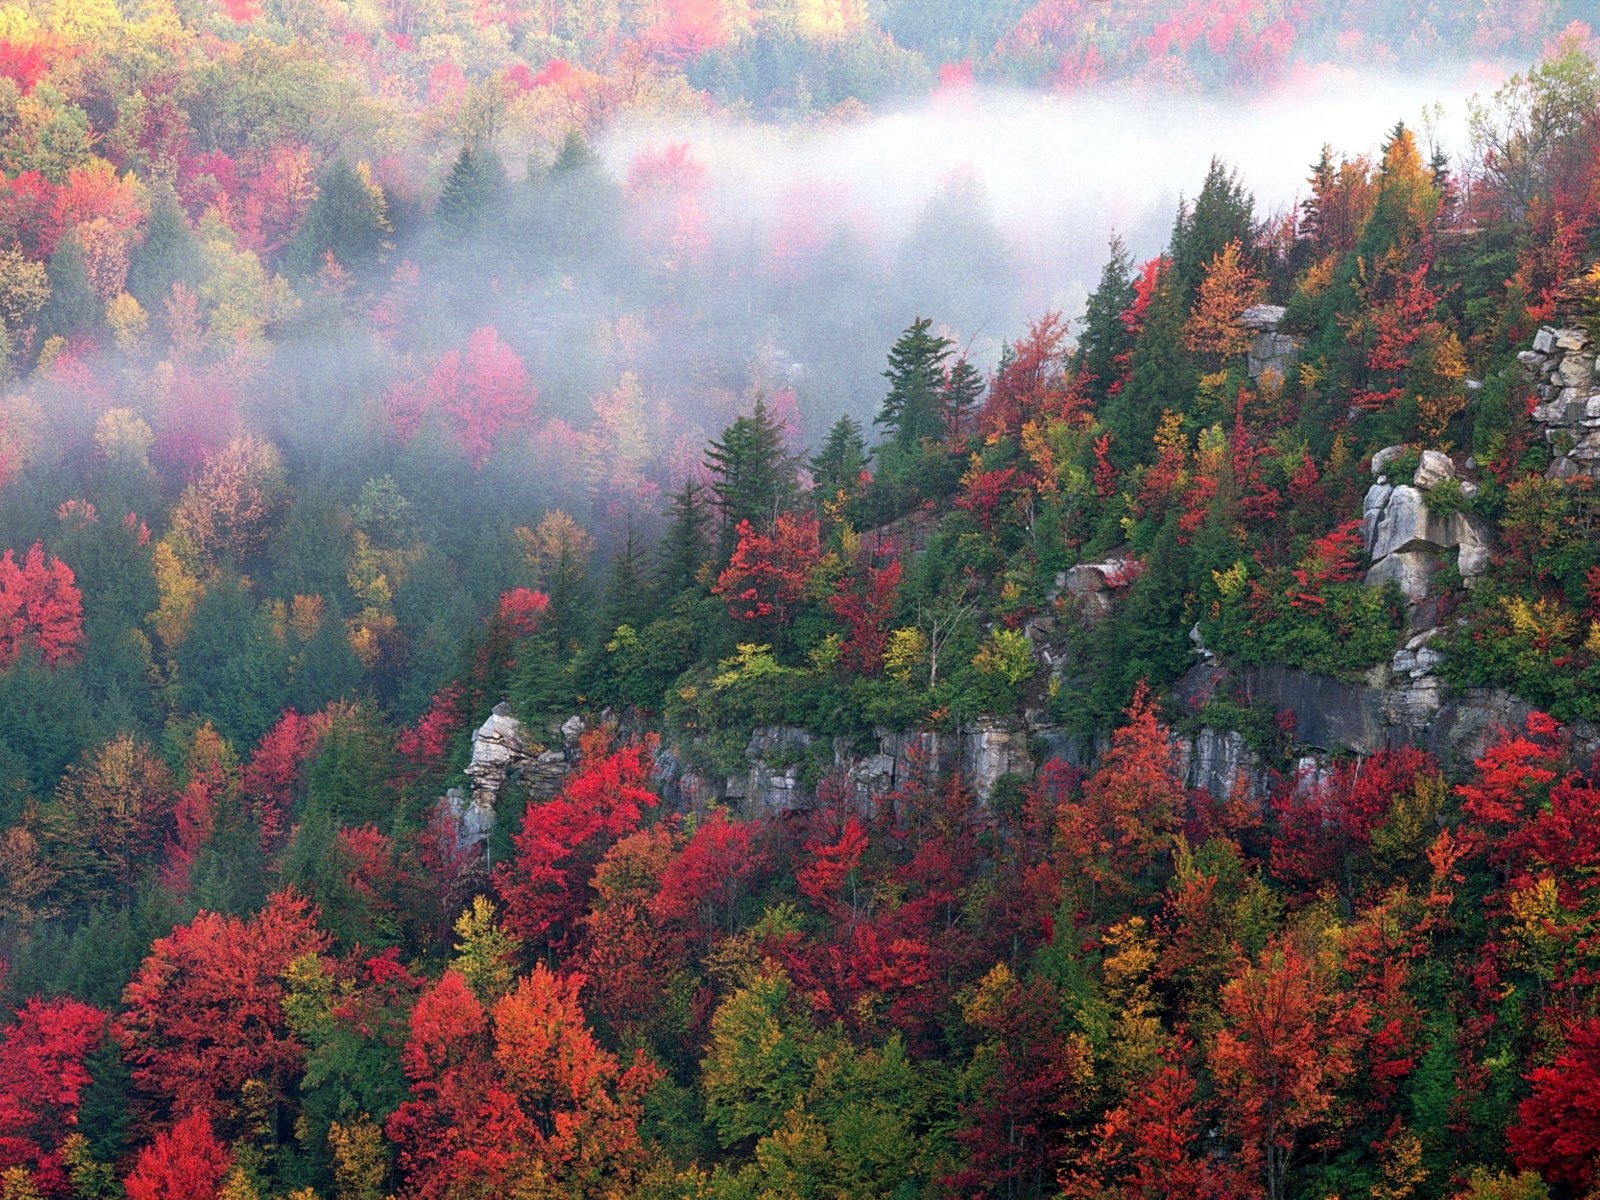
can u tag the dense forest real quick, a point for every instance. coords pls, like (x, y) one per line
(514, 684)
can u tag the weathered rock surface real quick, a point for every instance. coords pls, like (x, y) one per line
(1408, 542)
(1095, 587)
(473, 819)
(499, 748)
(785, 762)
(1220, 760)
(1405, 706)
(1561, 368)
(1270, 352)
(502, 758)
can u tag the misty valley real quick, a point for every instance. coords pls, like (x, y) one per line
(747, 599)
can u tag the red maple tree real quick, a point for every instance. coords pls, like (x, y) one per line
(864, 601)
(1152, 1145)
(42, 1079)
(546, 887)
(769, 572)
(1031, 384)
(515, 1100)
(203, 1015)
(1287, 1042)
(1557, 1132)
(40, 605)
(481, 393)
(272, 777)
(189, 1160)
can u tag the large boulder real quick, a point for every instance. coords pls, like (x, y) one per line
(1433, 469)
(497, 745)
(1411, 570)
(1406, 540)
(1395, 519)
(1096, 586)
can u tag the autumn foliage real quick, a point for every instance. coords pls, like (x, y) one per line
(40, 606)
(769, 572)
(516, 1096)
(187, 1160)
(43, 1076)
(204, 1014)
(546, 887)
(968, 806)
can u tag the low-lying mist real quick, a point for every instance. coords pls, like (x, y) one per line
(1056, 175)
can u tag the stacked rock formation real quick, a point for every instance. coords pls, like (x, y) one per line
(1561, 367)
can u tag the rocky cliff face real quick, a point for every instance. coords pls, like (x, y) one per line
(1561, 367)
(505, 760)
(1271, 353)
(1411, 537)
(785, 762)
(1408, 542)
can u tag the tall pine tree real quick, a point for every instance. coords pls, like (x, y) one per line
(912, 411)
(837, 466)
(752, 475)
(349, 219)
(1222, 213)
(471, 190)
(168, 254)
(1104, 346)
(684, 548)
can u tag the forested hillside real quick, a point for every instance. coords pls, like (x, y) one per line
(517, 680)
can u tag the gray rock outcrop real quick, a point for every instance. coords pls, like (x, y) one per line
(499, 750)
(1271, 353)
(502, 755)
(1221, 762)
(1095, 587)
(1406, 541)
(785, 761)
(1561, 368)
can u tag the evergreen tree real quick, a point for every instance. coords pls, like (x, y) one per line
(349, 776)
(574, 156)
(1323, 176)
(963, 388)
(1222, 213)
(1103, 346)
(471, 190)
(231, 665)
(684, 549)
(1162, 377)
(168, 254)
(324, 669)
(229, 875)
(573, 207)
(752, 476)
(348, 219)
(838, 465)
(1408, 200)
(629, 598)
(912, 409)
(73, 306)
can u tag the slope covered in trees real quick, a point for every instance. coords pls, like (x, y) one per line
(324, 435)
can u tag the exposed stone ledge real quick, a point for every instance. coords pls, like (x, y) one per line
(1561, 368)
